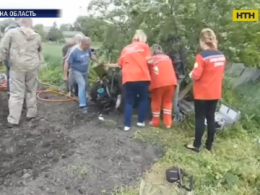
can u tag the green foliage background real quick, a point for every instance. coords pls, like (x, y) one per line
(164, 20)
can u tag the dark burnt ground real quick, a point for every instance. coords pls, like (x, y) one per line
(63, 152)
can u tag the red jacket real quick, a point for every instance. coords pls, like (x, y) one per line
(162, 72)
(208, 74)
(133, 61)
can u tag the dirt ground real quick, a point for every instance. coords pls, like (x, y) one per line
(63, 152)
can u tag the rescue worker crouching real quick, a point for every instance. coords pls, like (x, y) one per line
(162, 87)
(78, 60)
(207, 76)
(25, 48)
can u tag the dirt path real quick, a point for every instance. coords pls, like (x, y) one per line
(62, 152)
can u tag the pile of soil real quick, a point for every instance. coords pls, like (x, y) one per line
(65, 152)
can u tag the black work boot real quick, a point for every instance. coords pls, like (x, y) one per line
(30, 118)
(11, 125)
(208, 147)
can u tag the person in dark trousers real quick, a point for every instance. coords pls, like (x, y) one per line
(207, 76)
(136, 78)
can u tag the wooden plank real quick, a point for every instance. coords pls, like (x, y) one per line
(185, 91)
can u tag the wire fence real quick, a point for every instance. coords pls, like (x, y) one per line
(242, 89)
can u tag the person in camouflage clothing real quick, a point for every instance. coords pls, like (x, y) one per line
(25, 59)
(12, 26)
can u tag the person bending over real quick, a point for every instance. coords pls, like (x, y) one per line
(135, 77)
(79, 59)
(163, 85)
(207, 76)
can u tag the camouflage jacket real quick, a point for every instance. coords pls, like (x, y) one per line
(12, 26)
(23, 48)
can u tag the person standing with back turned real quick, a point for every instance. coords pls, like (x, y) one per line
(207, 76)
(25, 60)
(135, 77)
(7, 63)
(163, 85)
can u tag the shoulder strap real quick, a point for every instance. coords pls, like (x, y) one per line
(182, 174)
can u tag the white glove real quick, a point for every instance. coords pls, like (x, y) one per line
(156, 70)
(190, 74)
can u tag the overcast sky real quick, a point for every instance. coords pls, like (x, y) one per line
(71, 9)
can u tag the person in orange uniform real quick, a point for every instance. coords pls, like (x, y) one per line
(207, 76)
(135, 77)
(162, 87)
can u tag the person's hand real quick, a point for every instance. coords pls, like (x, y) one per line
(111, 65)
(65, 77)
(149, 60)
(190, 74)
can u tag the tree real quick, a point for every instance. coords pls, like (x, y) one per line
(66, 27)
(5, 23)
(176, 24)
(40, 29)
(55, 34)
(93, 27)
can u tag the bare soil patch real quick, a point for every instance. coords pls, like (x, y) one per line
(63, 152)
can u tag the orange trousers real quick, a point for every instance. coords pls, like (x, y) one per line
(162, 98)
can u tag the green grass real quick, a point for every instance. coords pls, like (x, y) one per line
(231, 169)
(52, 70)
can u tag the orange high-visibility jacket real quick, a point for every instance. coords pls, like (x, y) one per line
(208, 75)
(162, 72)
(133, 61)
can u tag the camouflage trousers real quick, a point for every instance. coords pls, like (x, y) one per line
(22, 85)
